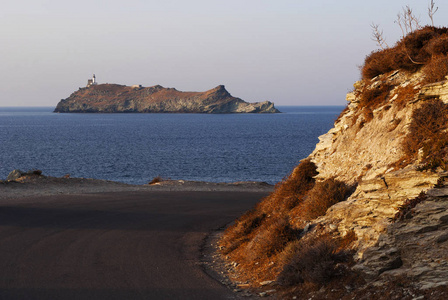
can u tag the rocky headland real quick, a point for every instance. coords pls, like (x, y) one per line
(365, 216)
(114, 98)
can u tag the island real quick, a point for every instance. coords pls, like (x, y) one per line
(115, 98)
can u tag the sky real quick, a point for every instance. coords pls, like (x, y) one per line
(290, 52)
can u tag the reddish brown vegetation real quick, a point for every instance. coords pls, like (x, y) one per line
(317, 263)
(411, 53)
(266, 238)
(427, 132)
(373, 97)
(322, 196)
(405, 94)
(157, 179)
(437, 69)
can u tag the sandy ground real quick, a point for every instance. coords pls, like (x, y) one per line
(28, 186)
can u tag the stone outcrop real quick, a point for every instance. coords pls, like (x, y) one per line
(438, 90)
(114, 98)
(364, 150)
(416, 247)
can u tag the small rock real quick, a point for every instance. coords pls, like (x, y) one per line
(15, 174)
(267, 282)
(442, 238)
(428, 229)
(444, 219)
(306, 228)
(263, 294)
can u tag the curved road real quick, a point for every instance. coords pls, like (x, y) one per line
(138, 245)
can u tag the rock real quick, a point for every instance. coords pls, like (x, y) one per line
(114, 98)
(267, 282)
(442, 238)
(15, 174)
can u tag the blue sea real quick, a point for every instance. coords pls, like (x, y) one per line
(134, 148)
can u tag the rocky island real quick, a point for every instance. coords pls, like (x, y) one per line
(115, 98)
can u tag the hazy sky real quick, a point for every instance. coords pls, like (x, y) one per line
(291, 52)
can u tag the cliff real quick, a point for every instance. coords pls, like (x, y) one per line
(114, 98)
(365, 215)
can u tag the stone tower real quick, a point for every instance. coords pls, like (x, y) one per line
(91, 81)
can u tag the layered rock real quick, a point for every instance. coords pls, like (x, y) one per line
(364, 150)
(113, 98)
(416, 248)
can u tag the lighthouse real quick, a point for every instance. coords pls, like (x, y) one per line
(91, 81)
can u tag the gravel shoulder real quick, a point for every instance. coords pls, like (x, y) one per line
(30, 186)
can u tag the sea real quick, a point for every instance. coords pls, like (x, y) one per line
(135, 148)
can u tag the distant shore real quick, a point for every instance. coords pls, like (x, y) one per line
(40, 185)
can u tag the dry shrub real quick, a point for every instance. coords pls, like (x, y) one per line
(157, 179)
(316, 263)
(439, 46)
(272, 239)
(289, 193)
(237, 234)
(436, 69)
(427, 132)
(373, 97)
(409, 54)
(380, 62)
(405, 94)
(323, 195)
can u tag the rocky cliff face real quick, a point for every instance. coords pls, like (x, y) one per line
(365, 215)
(113, 98)
(367, 149)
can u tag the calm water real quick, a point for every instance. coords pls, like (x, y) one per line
(134, 148)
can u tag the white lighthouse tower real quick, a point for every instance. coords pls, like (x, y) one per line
(91, 81)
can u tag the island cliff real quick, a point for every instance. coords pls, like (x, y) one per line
(114, 98)
(365, 215)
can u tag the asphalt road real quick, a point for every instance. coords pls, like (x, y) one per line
(138, 245)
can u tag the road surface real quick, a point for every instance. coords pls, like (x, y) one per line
(124, 245)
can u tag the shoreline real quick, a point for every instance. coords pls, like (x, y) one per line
(39, 185)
